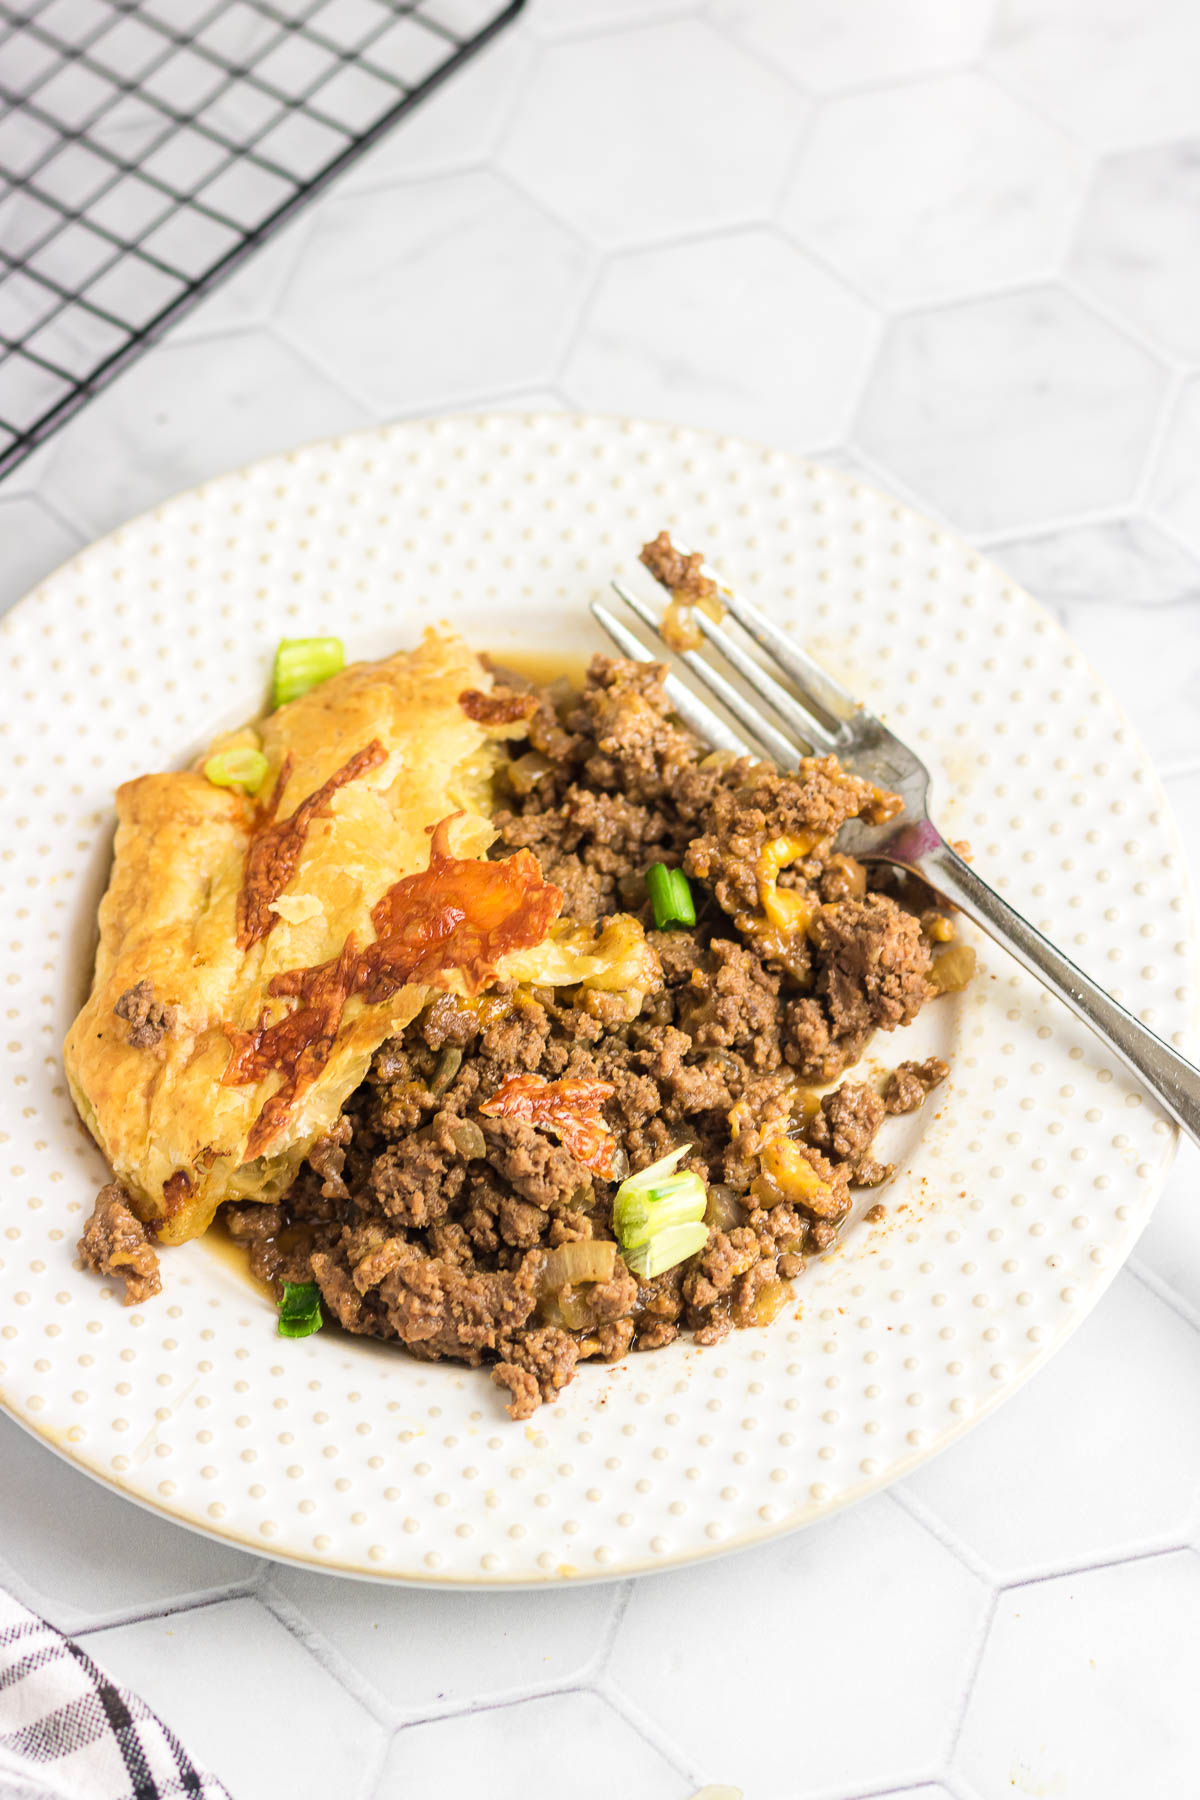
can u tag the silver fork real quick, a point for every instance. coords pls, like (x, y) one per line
(822, 716)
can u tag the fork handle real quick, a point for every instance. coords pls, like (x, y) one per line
(1173, 1081)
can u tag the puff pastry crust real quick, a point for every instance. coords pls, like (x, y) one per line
(214, 897)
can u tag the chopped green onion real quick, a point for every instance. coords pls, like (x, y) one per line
(303, 663)
(665, 1249)
(670, 896)
(679, 1200)
(244, 768)
(299, 1298)
(298, 1328)
(300, 1309)
(658, 1216)
(654, 1172)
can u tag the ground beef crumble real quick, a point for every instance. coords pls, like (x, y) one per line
(147, 1019)
(907, 1085)
(115, 1242)
(845, 1129)
(429, 1223)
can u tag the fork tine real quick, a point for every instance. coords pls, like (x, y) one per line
(815, 683)
(812, 730)
(781, 749)
(691, 709)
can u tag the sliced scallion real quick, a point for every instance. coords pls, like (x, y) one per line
(298, 1328)
(658, 1216)
(244, 768)
(670, 896)
(654, 1172)
(665, 1249)
(300, 1309)
(679, 1200)
(303, 663)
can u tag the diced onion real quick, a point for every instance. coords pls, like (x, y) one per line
(724, 1210)
(586, 1259)
(953, 969)
(449, 1063)
(568, 1308)
(528, 770)
(619, 1163)
(679, 628)
(468, 1139)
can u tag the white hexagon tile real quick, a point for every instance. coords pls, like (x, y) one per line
(727, 344)
(1174, 496)
(427, 296)
(1013, 410)
(612, 139)
(1127, 561)
(1134, 247)
(951, 248)
(1063, 1659)
(939, 188)
(1115, 73)
(830, 47)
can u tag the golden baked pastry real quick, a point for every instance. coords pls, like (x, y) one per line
(255, 952)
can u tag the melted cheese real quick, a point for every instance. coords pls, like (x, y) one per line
(614, 960)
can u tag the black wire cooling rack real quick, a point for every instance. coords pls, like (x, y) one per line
(147, 147)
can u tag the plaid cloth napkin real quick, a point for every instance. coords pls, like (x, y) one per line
(66, 1733)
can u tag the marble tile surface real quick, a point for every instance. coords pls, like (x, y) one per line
(830, 47)
(423, 1653)
(1135, 247)
(935, 189)
(1013, 409)
(1122, 1480)
(1174, 495)
(392, 303)
(612, 138)
(727, 345)
(594, 1753)
(1126, 561)
(949, 246)
(855, 1588)
(203, 1669)
(1064, 1659)
(1116, 72)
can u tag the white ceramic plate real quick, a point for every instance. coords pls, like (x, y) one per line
(1021, 1190)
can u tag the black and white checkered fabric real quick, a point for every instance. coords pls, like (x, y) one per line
(68, 1733)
